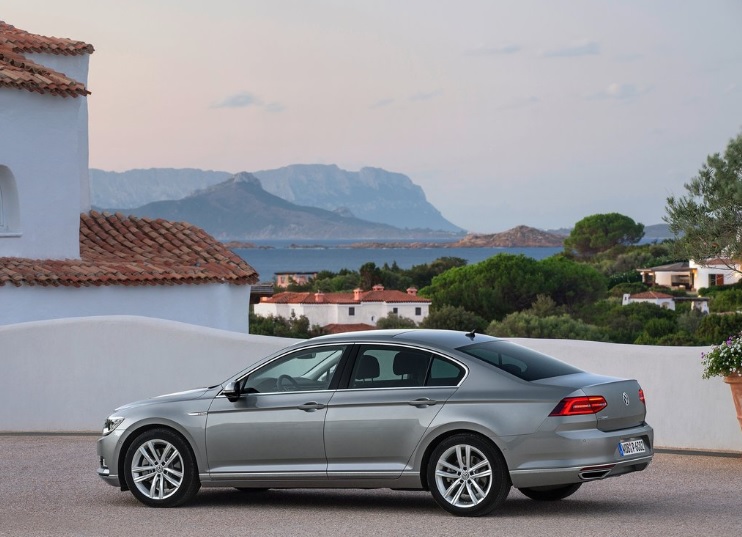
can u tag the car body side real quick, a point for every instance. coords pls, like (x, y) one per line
(539, 450)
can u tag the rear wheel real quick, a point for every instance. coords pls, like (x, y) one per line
(468, 476)
(551, 494)
(160, 469)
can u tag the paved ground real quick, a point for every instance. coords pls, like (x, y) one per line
(48, 487)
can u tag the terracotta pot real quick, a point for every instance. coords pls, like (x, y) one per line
(735, 383)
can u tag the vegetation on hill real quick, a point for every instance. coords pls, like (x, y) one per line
(577, 294)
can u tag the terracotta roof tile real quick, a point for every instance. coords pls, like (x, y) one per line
(651, 295)
(343, 328)
(17, 71)
(110, 255)
(345, 298)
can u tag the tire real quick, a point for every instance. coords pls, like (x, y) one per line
(468, 476)
(551, 494)
(160, 469)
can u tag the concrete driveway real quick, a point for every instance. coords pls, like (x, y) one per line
(48, 487)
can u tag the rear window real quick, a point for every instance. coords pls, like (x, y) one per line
(519, 361)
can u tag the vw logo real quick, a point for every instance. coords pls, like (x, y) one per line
(626, 399)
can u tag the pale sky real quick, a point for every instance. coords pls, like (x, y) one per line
(535, 112)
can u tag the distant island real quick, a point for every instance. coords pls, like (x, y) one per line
(517, 237)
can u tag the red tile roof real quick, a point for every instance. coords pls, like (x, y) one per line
(17, 71)
(343, 328)
(125, 250)
(381, 295)
(651, 295)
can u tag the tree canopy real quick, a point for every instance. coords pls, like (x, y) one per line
(600, 232)
(707, 220)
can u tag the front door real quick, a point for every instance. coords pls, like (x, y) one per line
(275, 429)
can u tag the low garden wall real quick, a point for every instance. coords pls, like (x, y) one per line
(67, 375)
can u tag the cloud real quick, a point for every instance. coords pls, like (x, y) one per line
(484, 50)
(521, 103)
(619, 92)
(426, 96)
(580, 48)
(381, 103)
(244, 100)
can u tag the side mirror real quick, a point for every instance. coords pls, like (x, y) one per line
(231, 391)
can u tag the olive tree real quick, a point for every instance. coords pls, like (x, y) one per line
(707, 220)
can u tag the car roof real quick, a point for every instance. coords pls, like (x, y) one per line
(444, 339)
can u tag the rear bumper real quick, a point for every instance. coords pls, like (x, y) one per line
(576, 474)
(576, 456)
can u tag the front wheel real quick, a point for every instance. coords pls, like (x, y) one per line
(551, 494)
(468, 476)
(160, 469)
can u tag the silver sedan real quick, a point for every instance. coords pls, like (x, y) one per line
(463, 415)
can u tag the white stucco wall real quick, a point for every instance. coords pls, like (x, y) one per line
(69, 374)
(75, 67)
(44, 145)
(703, 272)
(324, 314)
(214, 305)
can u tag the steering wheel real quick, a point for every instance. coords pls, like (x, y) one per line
(283, 380)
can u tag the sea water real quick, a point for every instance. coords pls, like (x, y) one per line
(270, 257)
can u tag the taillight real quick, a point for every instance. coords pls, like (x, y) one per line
(641, 396)
(576, 406)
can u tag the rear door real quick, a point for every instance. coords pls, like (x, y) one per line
(389, 398)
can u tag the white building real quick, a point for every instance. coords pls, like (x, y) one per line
(58, 259)
(364, 307)
(692, 275)
(662, 300)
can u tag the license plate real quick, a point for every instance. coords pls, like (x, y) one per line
(631, 447)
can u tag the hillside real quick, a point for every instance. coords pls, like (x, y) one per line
(240, 209)
(520, 236)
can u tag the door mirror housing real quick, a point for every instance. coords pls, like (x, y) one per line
(231, 391)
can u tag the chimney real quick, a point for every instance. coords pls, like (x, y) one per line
(357, 294)
(319, 297)
(412, 291)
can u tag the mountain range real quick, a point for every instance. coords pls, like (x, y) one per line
(371, 194)
(240, 209)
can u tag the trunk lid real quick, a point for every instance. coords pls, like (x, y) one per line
(625, 409)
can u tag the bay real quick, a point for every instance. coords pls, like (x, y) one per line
(270, 257)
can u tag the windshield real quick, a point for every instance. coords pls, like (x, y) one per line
(519, 361)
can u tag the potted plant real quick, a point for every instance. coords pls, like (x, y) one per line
(725, 360)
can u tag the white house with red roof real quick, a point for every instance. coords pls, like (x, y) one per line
(57, 258)
(662, 300)
(358, 307)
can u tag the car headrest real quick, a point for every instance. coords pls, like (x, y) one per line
(368, 368)
(410, 363)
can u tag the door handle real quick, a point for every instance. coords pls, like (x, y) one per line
(422, 402)
(311, 406)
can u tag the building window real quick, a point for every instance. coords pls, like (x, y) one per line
(395, 311)
(351, 311)
(9, 210)
(716, 279)
(418, 311)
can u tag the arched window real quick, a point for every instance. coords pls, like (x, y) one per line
(10, 221)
